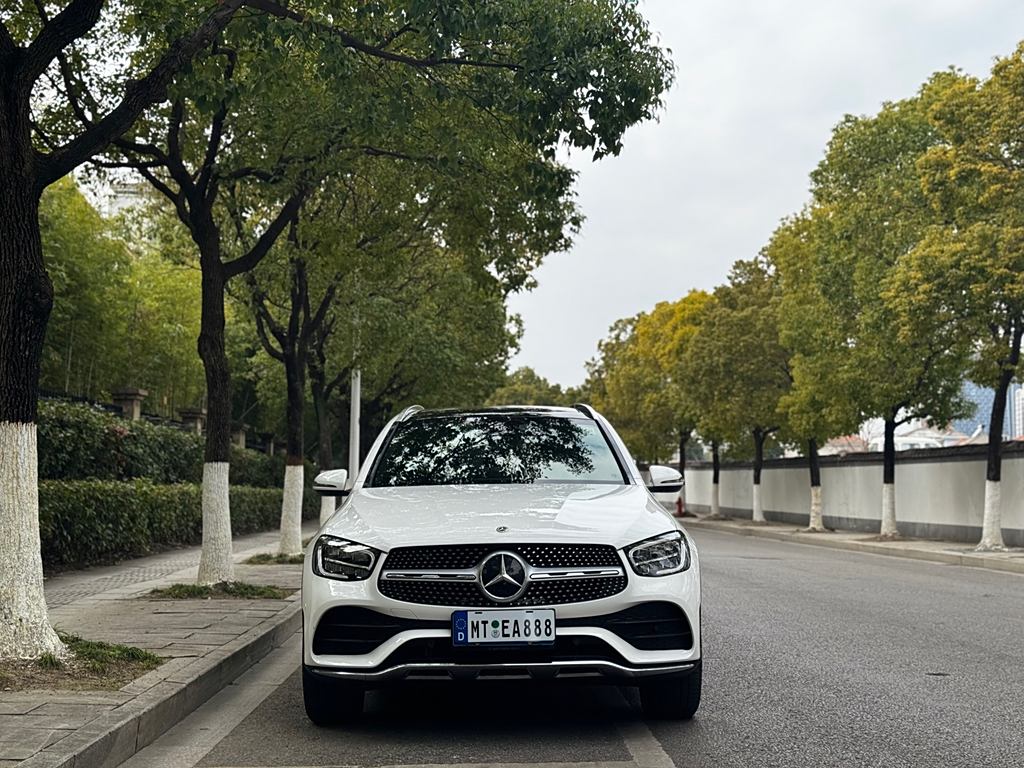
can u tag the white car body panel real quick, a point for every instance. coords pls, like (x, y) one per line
(459, 514)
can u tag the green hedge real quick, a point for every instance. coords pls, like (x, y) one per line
(82, 442)
(86, 522)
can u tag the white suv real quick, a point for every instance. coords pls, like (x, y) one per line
(515, 542)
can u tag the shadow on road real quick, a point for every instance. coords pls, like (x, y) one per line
(480, 722)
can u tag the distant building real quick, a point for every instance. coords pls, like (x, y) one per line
(982, 397)
(920, 435)
(120, 196)
(844, 444)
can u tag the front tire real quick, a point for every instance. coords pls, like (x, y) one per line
(328, 701)
(674, 699)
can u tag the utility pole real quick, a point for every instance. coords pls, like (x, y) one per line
(356, 389)
(353, 428)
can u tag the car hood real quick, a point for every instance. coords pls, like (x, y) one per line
(472, 514)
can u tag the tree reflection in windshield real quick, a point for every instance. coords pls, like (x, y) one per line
(491, 448)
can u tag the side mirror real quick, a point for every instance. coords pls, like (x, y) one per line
(332, 482)
(665, 480)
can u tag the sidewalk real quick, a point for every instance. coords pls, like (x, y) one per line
(207, 643)
(950, 552)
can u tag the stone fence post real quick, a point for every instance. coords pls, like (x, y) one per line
(193, 418)
(129, 400)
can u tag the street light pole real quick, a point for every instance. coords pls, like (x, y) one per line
(353, 425)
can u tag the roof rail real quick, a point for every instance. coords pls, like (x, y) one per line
(585, 409)
(409, 412)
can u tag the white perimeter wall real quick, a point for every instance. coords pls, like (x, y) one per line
(934, 499)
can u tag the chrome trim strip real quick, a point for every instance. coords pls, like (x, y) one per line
(543, 669)
(558, 574)
(438, 575)
(533, 574)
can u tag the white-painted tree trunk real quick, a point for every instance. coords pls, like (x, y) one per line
(716, 509)
(25, 631)
(291, 510)
(888, 527)
(215, 561)
(992, 523)
(816, 523)
(758, 506)
(327, 507)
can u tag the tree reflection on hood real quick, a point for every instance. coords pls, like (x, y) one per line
(492, 448)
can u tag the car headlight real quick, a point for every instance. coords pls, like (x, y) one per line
(337, 558)
(660, 556)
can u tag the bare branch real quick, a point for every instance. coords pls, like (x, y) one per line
(262, 315)
(314, 324)
(283, 12)
(164, 189)
(140, 94)
(77, 18)
(216, 130)
(137, 147)
(249, 260)
(133, 164)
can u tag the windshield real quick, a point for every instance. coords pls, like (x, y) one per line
(496, 448)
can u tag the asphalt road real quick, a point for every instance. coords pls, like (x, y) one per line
(813, 657)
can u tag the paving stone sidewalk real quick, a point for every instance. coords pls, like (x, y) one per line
(949, 552)
(196, 636)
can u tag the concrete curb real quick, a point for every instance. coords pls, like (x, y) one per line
(163, 700)
(996, 562)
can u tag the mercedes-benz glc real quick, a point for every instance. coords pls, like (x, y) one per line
(499, 543)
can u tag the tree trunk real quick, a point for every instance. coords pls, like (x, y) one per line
(716, 469)
(758, 509)
(815, 522)
(992, 522)
(888, 527)
(215, 562)
(26, 298)
(291, 503)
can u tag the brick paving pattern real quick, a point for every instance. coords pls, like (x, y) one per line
(109, 604)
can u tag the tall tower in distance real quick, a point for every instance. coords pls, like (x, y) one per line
(1016, 425)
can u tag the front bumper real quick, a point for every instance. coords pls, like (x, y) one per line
(582, 670)
(424, 649)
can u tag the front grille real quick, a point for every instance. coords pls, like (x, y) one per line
(468, 594)
(648, 626)
(349, 630)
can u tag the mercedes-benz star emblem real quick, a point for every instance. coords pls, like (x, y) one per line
(503, 576)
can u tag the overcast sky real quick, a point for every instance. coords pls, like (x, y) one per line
(760, 83)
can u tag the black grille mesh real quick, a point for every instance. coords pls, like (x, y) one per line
(649, 626)
(468, 594)
(470, 555)
(350, 630)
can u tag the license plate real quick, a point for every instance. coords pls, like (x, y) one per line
(505, 627)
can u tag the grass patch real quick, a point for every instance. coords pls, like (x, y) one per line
(225, 590)
(90, 665)
(265, 558)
